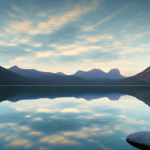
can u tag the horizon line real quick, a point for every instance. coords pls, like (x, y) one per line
(73, 85)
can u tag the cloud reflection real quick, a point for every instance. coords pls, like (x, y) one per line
(57, 140)
(20, 143)
(35, 133)
(69, 122)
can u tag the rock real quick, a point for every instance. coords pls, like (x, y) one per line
(140, 140)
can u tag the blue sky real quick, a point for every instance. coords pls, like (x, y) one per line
(71, 35)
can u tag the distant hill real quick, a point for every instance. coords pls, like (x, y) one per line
(31, 73)
(142, 78)
(61, 73)
(97, 74)
(93, 74)
(8, 77)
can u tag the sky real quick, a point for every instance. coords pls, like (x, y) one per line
(70, 35)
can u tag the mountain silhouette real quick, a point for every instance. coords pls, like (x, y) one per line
(97, 74)
(93, 74)
(34, 77)
(8, 77)
(31, 73)
(61, 73)
(142, 78)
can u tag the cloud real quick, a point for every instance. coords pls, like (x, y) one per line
(142, 34)
(127, 50)
(37, 119)
(99, 38)
(145, 45)
(122, 31)
(62, 47)
(34, 133)
(19, 59)
(69, 16)
(106, 19)
(25, 128)
(18, 26)
(2, 125)
(2, 35)
(57, 140)
(34, 31)
(37, 45)
(75, 51)
(19, 143)
(132, 37)
(28, 116)
(15, 27)
(23, 41)
(77, 134)
(41, 14)
(43, 110)
(15, 8)
(44, 54)
(2, 43)
(70, 110)
(11, 15)
(117, 43)
(129, 24)
(27, 50)
(18, 109)
(9, 138)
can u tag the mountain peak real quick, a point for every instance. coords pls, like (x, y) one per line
(60, 73)
(14, 67)
(96, 70)
(114, 71)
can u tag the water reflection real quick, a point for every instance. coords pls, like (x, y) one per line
(16, 93)
(71, 123)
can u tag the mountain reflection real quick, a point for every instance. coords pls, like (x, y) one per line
(88, 93)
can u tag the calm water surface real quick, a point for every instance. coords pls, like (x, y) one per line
(72, 123)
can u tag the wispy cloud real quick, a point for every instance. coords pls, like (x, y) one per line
(129, 24)
(27, 50)
(106, 19)
(37, 45)
(15, 8)
(99, 38)
(17, 26)
(145, 45)
(23, 41)
(44, 54)
(3, 43)
(122, 31)
(11, 15)
(69, 16)
(41, 14)
(131, 37)
(142, 34)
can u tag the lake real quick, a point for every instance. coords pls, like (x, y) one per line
(76, 118)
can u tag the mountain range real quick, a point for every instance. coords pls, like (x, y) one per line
(92, 74)
(97, 73)
(17, 76)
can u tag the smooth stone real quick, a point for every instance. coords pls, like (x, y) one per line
(139, 140)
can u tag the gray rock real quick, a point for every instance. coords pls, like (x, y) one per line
(140, 140)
